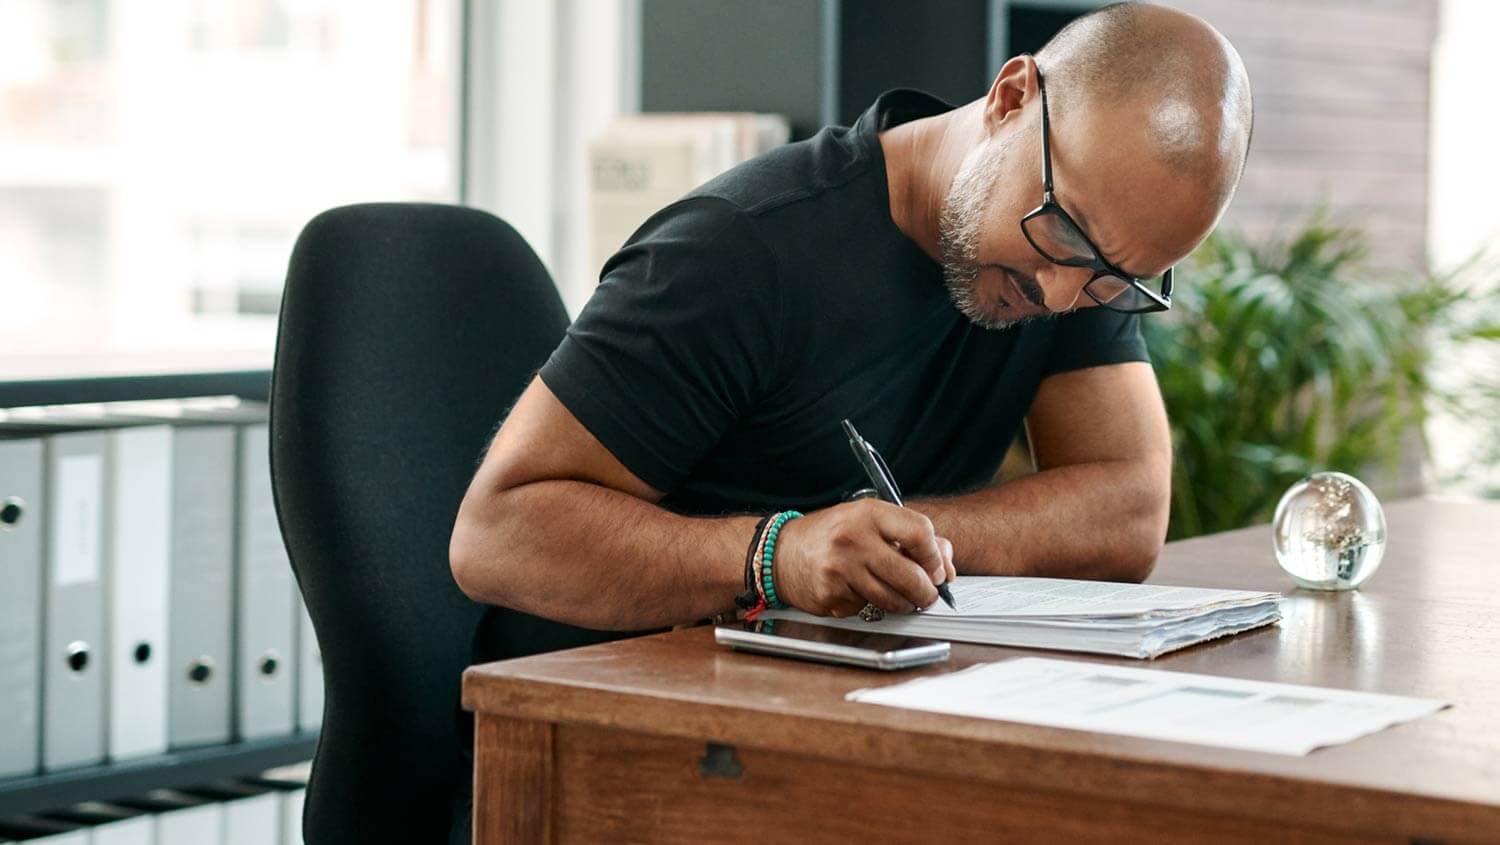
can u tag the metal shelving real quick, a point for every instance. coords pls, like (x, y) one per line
(250, 384)
(173, 770)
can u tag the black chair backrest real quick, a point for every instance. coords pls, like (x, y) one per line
(407, 331)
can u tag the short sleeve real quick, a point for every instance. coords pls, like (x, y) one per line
(1093, 337)
(677, 342)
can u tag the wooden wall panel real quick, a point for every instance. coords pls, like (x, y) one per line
(1319, 24)
(1288, 181)
(1342, 115)
(1337, 81)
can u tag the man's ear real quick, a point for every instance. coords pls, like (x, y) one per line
(1013, 87)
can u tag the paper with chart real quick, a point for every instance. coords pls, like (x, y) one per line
(1105, 617)
(1151, 703)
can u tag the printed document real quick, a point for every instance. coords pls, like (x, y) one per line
(1156, 704)
(1130, 620)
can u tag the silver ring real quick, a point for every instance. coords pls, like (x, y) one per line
(871, 613)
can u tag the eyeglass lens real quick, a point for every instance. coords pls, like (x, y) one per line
(1119, 294)
(1061, 242)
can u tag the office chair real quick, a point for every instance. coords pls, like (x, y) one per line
(407, 331)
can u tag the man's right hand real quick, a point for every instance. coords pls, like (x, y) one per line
(833, 562)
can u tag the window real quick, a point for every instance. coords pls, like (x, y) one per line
(157, 160)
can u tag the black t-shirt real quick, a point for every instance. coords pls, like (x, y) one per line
(738, 325)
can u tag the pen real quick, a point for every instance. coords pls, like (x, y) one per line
(885, 485)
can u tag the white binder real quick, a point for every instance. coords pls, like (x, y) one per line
(291, 816)
(140, 830)
(290, 785)
(22, 518)
(140, 496)
(195, 825)
(255, 820)
(199, 623)
(181, 818)
(266, 620)
(73, 643)
(111, 824)
(309, 672)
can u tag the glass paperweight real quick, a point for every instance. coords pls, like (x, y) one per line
(1329, 532)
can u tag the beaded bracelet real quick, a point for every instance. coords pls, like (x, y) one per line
(756, 559)
(768, 557)
(759, 566)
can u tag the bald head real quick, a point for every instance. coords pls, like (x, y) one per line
(1170, 71)
(1148, 126)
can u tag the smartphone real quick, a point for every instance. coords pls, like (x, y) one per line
(826, 644)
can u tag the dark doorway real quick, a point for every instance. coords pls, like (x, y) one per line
(1029, 27)
(937, 47)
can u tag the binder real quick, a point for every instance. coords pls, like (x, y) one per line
(252, 812)
(140, 497)
(200, 825)
(290, 785)
(111, 824)
(291, 815)
(200, 616)
(183, 819)
(265, 612)
(253, 821)
(202, 656)
(73, 640)
(22, 518)
(138, 830)
(309, 672)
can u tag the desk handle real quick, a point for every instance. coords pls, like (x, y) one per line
(719, 762)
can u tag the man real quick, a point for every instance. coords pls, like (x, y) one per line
(881, 273)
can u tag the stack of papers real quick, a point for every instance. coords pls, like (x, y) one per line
(1102, 617)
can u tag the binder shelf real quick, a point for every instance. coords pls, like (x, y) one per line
(102, 376)
(173, 770)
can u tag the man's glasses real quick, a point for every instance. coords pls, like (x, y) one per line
(1053, 233)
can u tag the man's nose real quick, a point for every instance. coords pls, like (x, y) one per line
(1063, 286)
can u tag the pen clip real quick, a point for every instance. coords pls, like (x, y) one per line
(885, 471)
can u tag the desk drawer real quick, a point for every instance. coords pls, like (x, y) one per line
(600, 784)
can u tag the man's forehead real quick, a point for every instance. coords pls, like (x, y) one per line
(1134, 210)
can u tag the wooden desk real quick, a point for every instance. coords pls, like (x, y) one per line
(627, 741)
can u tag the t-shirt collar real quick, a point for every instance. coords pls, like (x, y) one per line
(895, 107)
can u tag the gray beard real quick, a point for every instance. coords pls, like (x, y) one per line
(959, 224)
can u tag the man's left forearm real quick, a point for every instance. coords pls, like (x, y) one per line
(1104, 520)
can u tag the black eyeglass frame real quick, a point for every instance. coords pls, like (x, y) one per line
(1159, 301)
